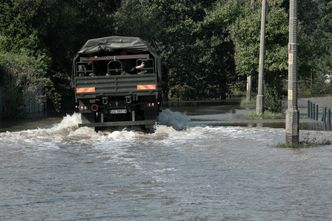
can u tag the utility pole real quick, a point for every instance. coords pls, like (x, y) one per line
(292, 114)
(259, 99)
(249, 86)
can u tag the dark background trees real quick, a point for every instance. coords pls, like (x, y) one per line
(209, 45)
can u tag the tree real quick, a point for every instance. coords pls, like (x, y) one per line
(245, 35)
(175, 29)
(315, 39)
(23, 62)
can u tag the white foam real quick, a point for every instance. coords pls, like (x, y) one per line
(68, 122)
(54, 134)
(83, 133)
(167, 133)
(123, 135)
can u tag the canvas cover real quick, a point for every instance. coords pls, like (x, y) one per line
(112, 43)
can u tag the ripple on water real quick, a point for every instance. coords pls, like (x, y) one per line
(180, 172)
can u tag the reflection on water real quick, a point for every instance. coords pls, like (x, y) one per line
(64, 172)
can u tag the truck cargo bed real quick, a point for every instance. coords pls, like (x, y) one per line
(115, 85)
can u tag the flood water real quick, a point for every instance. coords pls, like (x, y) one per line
(181, 172)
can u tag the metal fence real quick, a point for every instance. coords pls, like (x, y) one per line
(31, 106)
(313, 113)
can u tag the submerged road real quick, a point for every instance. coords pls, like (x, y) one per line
(62, 172)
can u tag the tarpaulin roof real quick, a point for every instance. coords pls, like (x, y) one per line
(112, 43)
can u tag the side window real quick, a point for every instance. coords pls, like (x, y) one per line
(84, 69)
(147, 66)
(114, 68)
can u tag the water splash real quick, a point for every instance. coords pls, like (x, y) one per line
(53, 134)
(69, 122)
(177, 120)
(174, 128)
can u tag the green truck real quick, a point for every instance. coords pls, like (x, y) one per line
(119, 82)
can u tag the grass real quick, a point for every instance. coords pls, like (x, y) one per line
(265, 116)
(295, 146)
(306, 143)
(248, 104)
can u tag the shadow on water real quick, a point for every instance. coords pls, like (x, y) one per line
(33, 122)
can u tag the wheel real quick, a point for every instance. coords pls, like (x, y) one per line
(149, 129)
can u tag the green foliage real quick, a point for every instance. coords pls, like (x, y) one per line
(51, 32)
(320, 86)
(315, 37)
(245, 35)
(248, 104)
(16, 18)
(306, 143)
(64, 26)
(24, 63)
(200, 58)
(300, 145)
(21, 73)
(209, 45)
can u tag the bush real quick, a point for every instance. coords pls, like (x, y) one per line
(248, 104)
(273, 97)
(21, 73)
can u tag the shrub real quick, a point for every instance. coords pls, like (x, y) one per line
(21, 73)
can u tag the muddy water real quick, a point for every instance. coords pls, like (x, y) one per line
(181, 172)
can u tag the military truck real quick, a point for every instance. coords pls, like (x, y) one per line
(119, 82)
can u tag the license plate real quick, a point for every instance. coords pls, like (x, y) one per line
(118, 111)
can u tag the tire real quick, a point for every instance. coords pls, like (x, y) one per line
(149, 129)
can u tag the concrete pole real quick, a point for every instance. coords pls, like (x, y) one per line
(249, 86)
(292, 114)
(259, 98)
